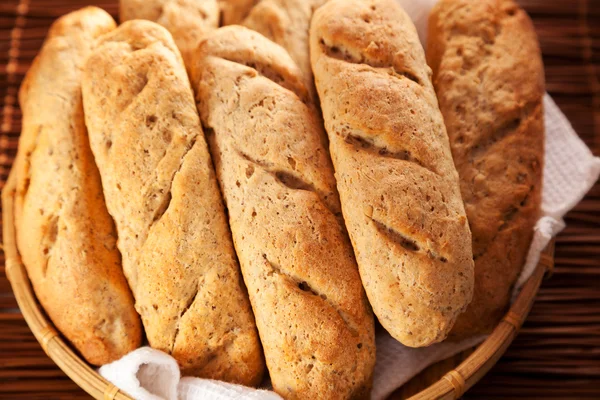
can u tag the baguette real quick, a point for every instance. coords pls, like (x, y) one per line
(311, 312)
(161, 190)
(286, 22)
(398, 186)
(65, 235)
(489, 77)
(187, 20)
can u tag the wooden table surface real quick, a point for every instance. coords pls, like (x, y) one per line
(557, 353)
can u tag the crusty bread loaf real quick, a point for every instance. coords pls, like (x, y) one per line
(234, 11)
(287, 22)
(311, 312)
(489, 77)
(187, 20)
(65, 236)
(398, 186)
(161, 190)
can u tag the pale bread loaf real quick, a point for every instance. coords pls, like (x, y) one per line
(314, 321)
(65, 235)
(161, 190)
(398, 185)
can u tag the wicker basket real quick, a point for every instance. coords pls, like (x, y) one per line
(451, 386)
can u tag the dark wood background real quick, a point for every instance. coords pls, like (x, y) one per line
(557, 353)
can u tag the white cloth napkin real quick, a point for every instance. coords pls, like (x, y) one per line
(570, 171)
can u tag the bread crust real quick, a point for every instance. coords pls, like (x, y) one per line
(489, 77)
(398, 185)
(287, 22)
(312, 315)
(187, 20)
(65, 235)
(161, 190)
(233, 12)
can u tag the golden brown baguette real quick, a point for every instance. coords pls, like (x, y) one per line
(489, 77)
(286, 22)
(312, 315)
(65, 236)
(234, 11)
(187, 20)
(161, 190)
(398, 186)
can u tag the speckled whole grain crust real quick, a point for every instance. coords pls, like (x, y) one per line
(234, 11)
(489, 77)
(161, 189)
(287, 22)
(267, 142)
(398, 185)
(65, 236)
(187, 20)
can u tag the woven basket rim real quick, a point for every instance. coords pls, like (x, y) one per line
(451, 386)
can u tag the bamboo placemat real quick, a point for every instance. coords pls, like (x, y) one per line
(557, 354)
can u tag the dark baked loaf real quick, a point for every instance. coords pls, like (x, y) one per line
(65, 235)
(489, 78)
(311, 311)
(398, 185)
